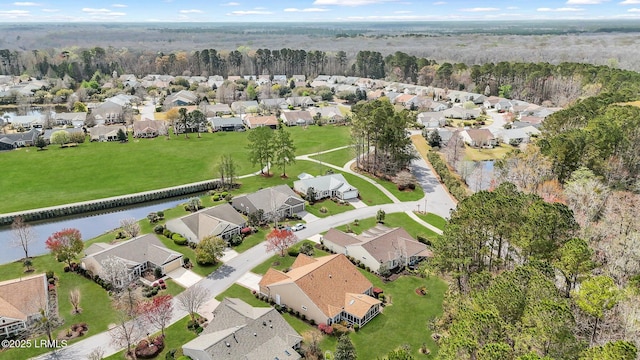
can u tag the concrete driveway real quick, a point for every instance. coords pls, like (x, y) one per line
(184, 277)
(250, 281)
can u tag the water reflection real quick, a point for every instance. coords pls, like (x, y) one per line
(90, 226)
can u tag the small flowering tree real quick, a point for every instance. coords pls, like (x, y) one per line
(280, 240)
(65, 245)
(158, 311)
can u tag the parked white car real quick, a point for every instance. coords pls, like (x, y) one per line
(298, 227)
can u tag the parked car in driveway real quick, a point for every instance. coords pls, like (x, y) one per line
(298, 227)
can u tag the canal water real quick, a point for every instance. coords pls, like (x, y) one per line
(90, 226)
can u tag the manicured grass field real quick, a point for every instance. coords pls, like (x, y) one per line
(392, 220)
(496, 153)
(337, 158)
(433, 219)
(281, 263)
(97, 170)
(407, 195)
(332, 208)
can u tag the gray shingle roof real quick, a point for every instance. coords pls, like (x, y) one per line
(240, 331)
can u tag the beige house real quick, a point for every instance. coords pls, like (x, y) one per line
(105, 132)
(259, 121)
(21, 301)
(222, 221)
(240, 331)
(139, 254)
(378, 246)
(328, 289)
(149, 128)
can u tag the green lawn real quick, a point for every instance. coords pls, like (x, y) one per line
(97, 170)
(433, 219)
(497, 153)
(281, 263)
(404, 321)
(408, 195)
(392, 220)
(176, 335)
(332, 208)
(95, 302)
(337, 158)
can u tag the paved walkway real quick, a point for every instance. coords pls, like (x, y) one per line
(436, 201)
(250, 280)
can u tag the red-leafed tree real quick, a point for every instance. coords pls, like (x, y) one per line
(65, 244)
(158, 311)
(280, 240)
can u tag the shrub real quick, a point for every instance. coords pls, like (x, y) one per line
(324, 210)
(246, 231)
(185, 260)
(215, 198)
(50, 274)
(325, 329)
(153, 217)
(423, 239)
(356, 327)
(307, 249)
(454, 185)
(145, 350)
(179, 239)
(167, 233)
(158, 229)
(339, 329)
(157, 272)
(235, 240)
(293, 252)
(160, 214)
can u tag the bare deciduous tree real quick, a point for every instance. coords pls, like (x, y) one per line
(192, 298)
(74, 299)
(96, 354)
(114, 271)
(126, 332)
(22, 235)
(454, 150)
(130, 227)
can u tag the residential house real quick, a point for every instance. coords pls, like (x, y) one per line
(504, 105)
(300, 101)
(532, 120)
(331, 185)
(139, 254)
(259, 121)
(108, 113)
(149, 128)
(279, 200)
(461, 113)
(482, 138)
(445, 135)
(521, 123)
(181, 98)
(327, 289)
(378, 246)
(26, 122)
(16, 140)
(239, 331)
(215, 109)
(105, 132)
(491, 101)
(331, 114)
(21, 303)
(76, 119)
(403, 99)
(242, 107)
(432, 120)
(273, 104)
(222, 221)
(293, 118)
(437, 106)
(298, 77)
(226, 124)
(122, 99)
(47, 133)
(518, 136)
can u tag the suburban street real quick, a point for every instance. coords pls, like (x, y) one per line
(436, 200)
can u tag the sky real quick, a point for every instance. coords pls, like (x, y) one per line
(312, 10)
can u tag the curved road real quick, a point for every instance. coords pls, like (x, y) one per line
(437, 201)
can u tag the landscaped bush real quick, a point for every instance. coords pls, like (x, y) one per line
(293, 252)
(158, 229)
(323, 210)
(167, 233)
(325, 329)
(215, 198)
(178, 239)
(147, 350)
(50, 274)
(235, 240)
(423, 239)
(339, 329)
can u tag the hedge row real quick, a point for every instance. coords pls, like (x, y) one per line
(455, 186)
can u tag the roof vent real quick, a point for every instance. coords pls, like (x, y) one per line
(329, 276)
(255, 334)
(264, 323)
(227, 343)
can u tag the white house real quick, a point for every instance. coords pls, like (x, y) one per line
(332, 185)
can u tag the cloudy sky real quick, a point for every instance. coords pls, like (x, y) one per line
(312, 10)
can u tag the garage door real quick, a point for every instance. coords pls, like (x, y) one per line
(173, 265)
